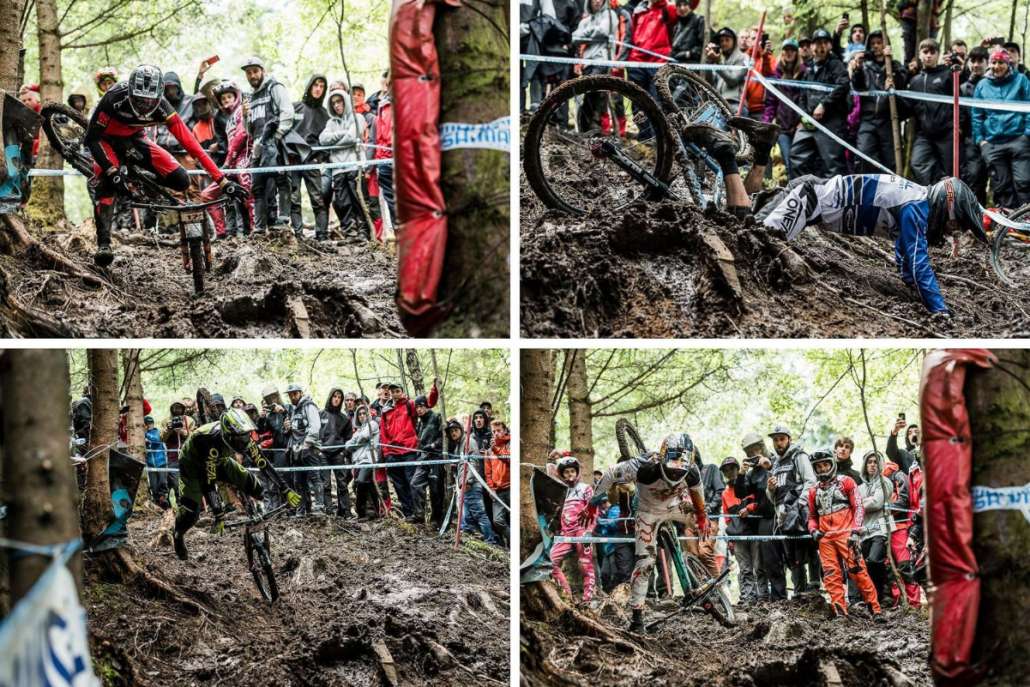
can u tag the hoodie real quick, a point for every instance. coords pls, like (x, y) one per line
(363, 444)
(876, 493)
(336, 426)
(730, 82)
(182, 103)
(311, 115)
(480, 439)
(498, 464)
(596, 33)
(305, 425)
(344, 131)
(456, 449)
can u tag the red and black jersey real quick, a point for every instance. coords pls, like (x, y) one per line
(114, 117)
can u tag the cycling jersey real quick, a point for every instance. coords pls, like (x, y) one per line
(865, 205)
(206, 459)
(115, 118)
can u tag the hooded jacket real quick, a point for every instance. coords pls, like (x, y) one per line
(597, 33)
(652, 25)
(836, 103)
(336, 426)
(182, 102)
(498, 464)
(311, 115)
(794, 476)
(775, 109)
(998, 125)
(688, 38)
(730, 82)
(157, 455)
(344, 131)
(932, 119)
(872, 76)
(876, 493)
(305, 425)
(456, 449)
(480, 439)
(398, 427)
(237, 138)
(713, 484)
(364, 443)
(903, 457)
(430, 434)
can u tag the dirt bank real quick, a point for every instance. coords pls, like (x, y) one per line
(787, 644)
(668, 270)
(346, 588)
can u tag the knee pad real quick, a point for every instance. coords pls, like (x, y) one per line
(178, 180)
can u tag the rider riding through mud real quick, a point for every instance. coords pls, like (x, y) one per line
(114, 136)
(209, 457)
(913, 216)
(661, 487)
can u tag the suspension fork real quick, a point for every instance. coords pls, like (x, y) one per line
(184, 245)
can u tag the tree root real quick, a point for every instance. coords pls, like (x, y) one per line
(21, 244)
(118, 565)
(20, 320)
(541, 601)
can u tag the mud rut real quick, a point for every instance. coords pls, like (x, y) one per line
(787, 644)
(348, 590)
(669, 270)
(262, 287)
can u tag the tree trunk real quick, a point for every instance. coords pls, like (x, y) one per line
(47, 203)
(40, 487)
(946, 35)
(581, 435)
(136, 431)
(865, 16)
(999, 412)
(534, 443)
(1012, 21)
(10, 44)
(472, 41)
(925, 12)
(103, 371)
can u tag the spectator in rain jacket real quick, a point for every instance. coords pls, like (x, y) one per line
(363, 447)
(473, 515)
(157, 457)
(310, 118)
(876, 491)
(727, 82)
(429, 427)
(688, 34)
(345, 132)
(400, 443)
(336, 431)
(1004, 137)
(498, 477)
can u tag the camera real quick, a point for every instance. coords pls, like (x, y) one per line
(177, 422)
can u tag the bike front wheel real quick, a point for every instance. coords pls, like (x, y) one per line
(722, 608)
(260, 563)
(197, 264)
(1010, 251)
(65, 129)
(573, 141)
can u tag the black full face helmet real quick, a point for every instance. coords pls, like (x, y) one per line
(824, 455)
(951, 199)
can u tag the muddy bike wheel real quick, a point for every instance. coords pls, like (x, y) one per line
(721, 605)
(630, 443)
(561, 159)
(197, 264)
(260, 564)
(65, 128)
(1010, 252)
(682, 90)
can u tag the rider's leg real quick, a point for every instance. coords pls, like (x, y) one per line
(646, 553)
(558, 554)
(585, 557)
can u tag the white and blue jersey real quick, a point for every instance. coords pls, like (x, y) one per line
(866, 205)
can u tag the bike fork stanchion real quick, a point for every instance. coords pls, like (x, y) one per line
(184, 244)
(608, 150)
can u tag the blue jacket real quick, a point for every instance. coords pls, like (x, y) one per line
(608, 527)
(997, 125)
(157, 454)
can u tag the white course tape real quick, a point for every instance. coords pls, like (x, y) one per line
(245, 170)
(792, 105)
(718, 537)
(1002, 498)
(495, 135)
(359, 466)
(627, 65)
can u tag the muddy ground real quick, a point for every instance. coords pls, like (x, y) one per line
(252, 290)
(654, 270)
(442, 614)
(787, 644)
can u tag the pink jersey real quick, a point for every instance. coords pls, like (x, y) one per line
(577, 502)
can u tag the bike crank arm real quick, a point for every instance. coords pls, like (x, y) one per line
(608, 150)
(699, 596)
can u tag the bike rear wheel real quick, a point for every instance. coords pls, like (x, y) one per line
(260, 563)
(630, 443)
(1010, 251)
(65, 129)
(562, 159)
(680, 89)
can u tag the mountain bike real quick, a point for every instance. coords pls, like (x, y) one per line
(65, 128)
(257, 545)
(577, 157)
(1010, 250)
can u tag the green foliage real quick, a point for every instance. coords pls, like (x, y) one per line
(469, 376)
(718, 395)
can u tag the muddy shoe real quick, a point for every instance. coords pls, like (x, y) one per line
(706, 135)
(636, 625)
(758, 133)
(180, 546)
(879, 618)
(103, 257)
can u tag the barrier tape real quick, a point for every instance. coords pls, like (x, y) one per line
(719, 537)
(973, 103)
(59, 552)
(357, 466)
(490, 491)
(1002, 498)
(495, 135)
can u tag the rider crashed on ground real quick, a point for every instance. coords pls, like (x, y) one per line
(115, 137)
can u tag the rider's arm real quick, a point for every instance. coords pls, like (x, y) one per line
(813, 515)
(98, 123)
(619, 473)
(188, 141)
(266, 468)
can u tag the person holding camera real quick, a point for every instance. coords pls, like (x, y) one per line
(790, 478)
(868, 71)
(176, 430)
(272, 419)
(727, 82)
(763, 558)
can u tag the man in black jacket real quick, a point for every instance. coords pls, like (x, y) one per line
(868, 71)
(757, 511)
(813, 151)
(336, 431)
(688, 36)
(309, 120)
(272, 419)
(429, 428)
(973, 165)
(931, 150)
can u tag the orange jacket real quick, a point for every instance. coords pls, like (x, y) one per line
(498, 463)
(754, 94)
